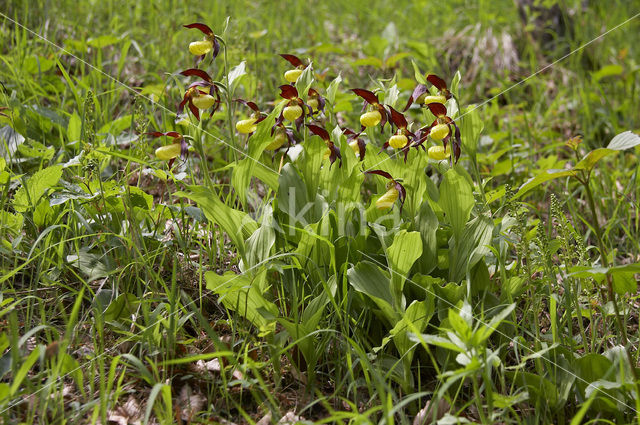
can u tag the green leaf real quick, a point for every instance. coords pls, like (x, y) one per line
(261, 241)
(235, 76)
(417, 73)
(472, 245)
(623, 141)
(542, 177)
(403, 252)
(236, 224)
(74, 128)
(244, 294)
(456, 199)
(36, 186)
(21, 374)
(589, 161)
(427, 223)
(333, 89)
(9, 142)
(369, 279)
(102, 41)
(470, 129)
(607, 71)
(305, 80)
(414, 320)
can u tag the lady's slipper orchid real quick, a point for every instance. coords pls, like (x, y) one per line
(333, 152)
(440, 129)
(395, 191)
(249, 125)
(438, 153)
(292, 75)
(402, 137)
(200, 95)
(294, 110)
(377, 113)
(421, 92)
(202, 47)
(171, 151)
(355, 143)
(315, 102)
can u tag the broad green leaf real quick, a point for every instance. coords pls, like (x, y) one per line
(74, 129)
(305, 80)
(456, 199)
(391, 96)
(542, 177)
(333, 89)
(623, 141)
(417, 73)
(427, 223)
(414, 320)
(485, 331)
(472, 245)
(235, 76)
(607, 71)
(624, 283)
(542, 388)
(36, 186)
(261, 241)
(470, 129)
(589, 161)
(102, 41)
(244, 295)
(403, 252)
(121, 307)
(369, 279)
(236, 224)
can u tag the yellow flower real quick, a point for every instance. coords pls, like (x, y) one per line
(246, 126)
(438, 153)
(387, 200)
(201, 47)
(165, 153)
(439, 131)
(292, 75)
(202, 101)
(398, 141)
(292, 112)
(371, 118)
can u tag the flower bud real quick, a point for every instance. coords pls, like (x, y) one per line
(292, 75)
(168, 152)
(204, 101)
(246, 126)
(438, 153)
(370, 119)
(386, 201)
(439, 131)
(292, 113)
(398, 141)
(201, 47)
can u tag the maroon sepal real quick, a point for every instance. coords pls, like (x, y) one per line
(380, 173)
(195, 72)
(335, 154)
(249, 104)
(402, 194)
(361, 144)
(397, 118)
(437, 109)
(202, 27)
(367, 95)
(417, 92)
(437, 81)
(173, 134)
(293, 60)
(288, 92)
(319, 131)
(194, 110)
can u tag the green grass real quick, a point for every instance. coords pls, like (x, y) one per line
(131, 291)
